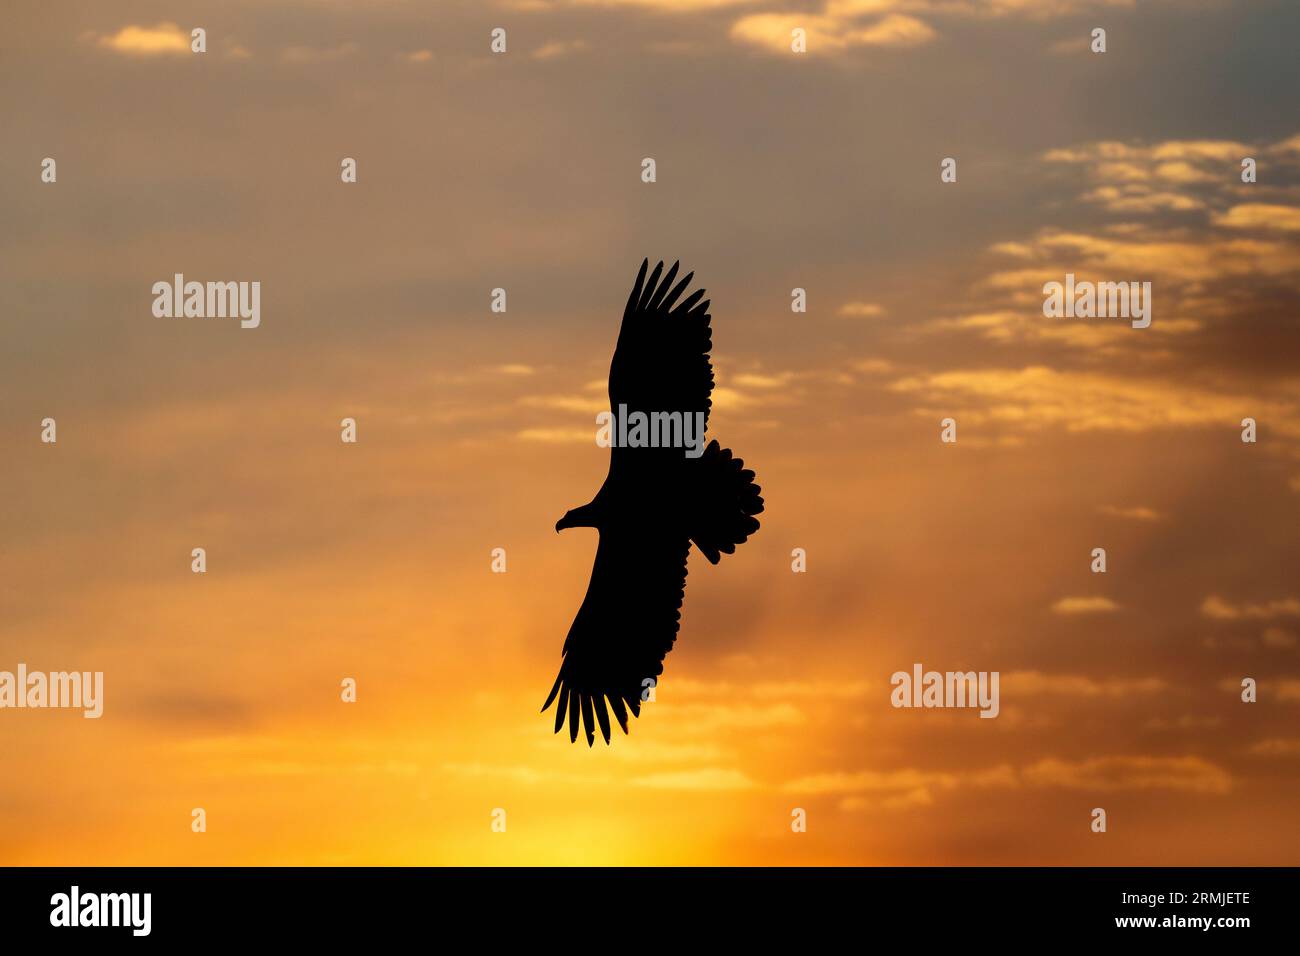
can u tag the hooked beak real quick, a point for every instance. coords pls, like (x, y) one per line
(576, 518)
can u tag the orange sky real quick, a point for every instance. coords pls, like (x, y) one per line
(476, 429)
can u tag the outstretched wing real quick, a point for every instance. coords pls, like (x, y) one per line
(625, 628)
(661, 362)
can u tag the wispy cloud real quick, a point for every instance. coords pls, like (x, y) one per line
(559, 48)
(1079, 401)
(559, 436)
(1084, 605)
(1271, 217)
(912, 787)
(1219, 609)
(1034, 683)
(861, 310)
(833, 31)
(163, 39)
(898, 789)
(1194, 774)
(1276, 747)
(708, 778)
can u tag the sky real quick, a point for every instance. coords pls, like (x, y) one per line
(775, 170)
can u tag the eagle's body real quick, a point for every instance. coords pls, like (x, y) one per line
(654, 503)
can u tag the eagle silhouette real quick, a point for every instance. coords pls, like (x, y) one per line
(655, 503)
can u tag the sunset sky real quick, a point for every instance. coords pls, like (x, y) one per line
(476, 429)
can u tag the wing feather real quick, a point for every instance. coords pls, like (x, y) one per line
(624, 629)
(661, 362)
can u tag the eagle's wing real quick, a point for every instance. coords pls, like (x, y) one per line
(661, 362)
(624, 629)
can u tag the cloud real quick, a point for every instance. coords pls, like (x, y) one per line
(820, 690)
(1211, 259)
(1218, 609)
(1276, 747)
(850, 9)
(874, 366)
(1146, 252)
(1139, 198)
(704, 718)
(1139, 156)
(161, 40)
(585, 405)
(651, 750)
(978, 9)
(524, 774)
(898, 789)
(1284, 689)
(920, 797)
(861, 310)
(1194, 179)
(1012, 327)
(1181, 171)
(1256, 215)
(913, 787)
(1084, 605)
(559, 436)
(708, 778)
(762, 381)
(756, 390)
(559, 48)
(893, 30)
(1179, 175)
(828, 33)
(1037, 397)
(690, 689)
(1191, 774)
(1033, 683)
(663, 6)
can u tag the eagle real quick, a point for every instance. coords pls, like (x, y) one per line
(657, 500)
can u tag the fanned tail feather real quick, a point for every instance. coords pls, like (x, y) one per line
(726, 500)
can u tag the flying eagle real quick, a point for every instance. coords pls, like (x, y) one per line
(655, 503)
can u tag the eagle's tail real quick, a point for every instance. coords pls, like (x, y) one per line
(725, 500)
